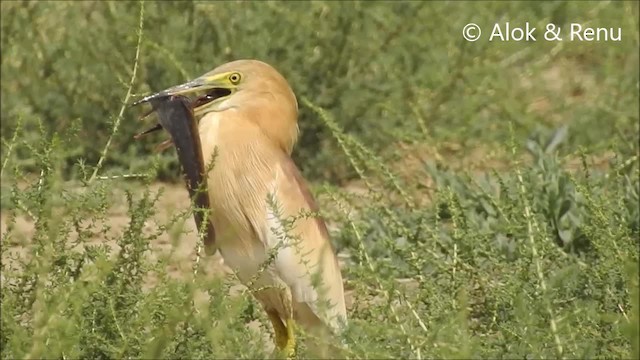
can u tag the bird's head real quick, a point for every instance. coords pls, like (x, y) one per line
(252, 88)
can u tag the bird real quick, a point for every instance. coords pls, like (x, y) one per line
(267, 223)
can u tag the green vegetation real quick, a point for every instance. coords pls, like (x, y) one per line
(483, 196)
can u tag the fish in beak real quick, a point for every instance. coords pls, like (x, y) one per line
(211, 88)
(175, 115)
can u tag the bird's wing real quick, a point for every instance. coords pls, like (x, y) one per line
(306, 260)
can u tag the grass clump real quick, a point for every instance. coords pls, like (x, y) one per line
(479, 206)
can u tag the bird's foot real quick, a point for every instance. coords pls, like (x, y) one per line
(289, 349)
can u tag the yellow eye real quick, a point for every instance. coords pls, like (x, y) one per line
(234, 78)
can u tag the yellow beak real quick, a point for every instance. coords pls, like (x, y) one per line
(176, 116)
(198, 84)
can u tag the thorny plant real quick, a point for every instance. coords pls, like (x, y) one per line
(441, 278)
(533, 259)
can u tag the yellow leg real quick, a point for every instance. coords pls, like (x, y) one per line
(290, 346)
(284, 330)
(280, 331)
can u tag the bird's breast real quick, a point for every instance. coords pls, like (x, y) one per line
(238, 181)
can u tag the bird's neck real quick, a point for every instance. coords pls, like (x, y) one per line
(272, 112)
(242, 139)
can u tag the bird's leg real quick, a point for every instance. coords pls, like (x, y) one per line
(279, 329)
(285, 340)
(290, 346)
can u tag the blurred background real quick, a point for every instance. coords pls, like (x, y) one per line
(483, 197)
(393, 73)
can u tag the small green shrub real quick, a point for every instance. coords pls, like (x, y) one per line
(483, 197)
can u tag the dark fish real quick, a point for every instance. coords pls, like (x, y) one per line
(176, 116)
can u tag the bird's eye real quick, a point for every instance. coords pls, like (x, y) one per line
(234, 78)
